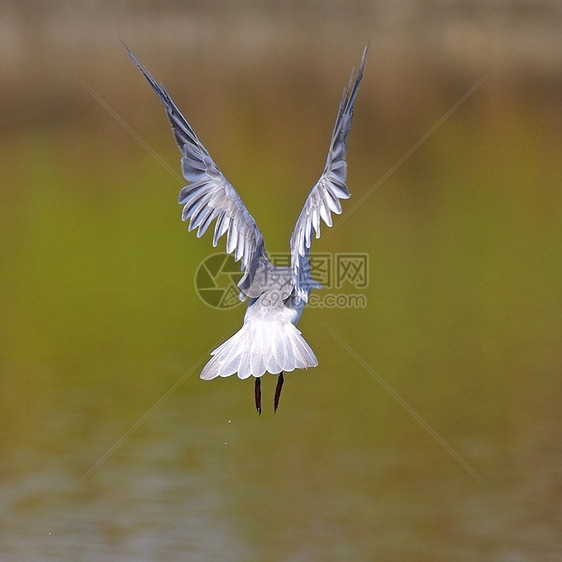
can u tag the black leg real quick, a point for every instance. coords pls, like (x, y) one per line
(278, 388)
(257, 394)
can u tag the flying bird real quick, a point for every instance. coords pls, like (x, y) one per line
(269, 340)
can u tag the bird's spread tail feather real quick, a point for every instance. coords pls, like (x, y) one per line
(260, 347)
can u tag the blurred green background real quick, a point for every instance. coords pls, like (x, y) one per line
(112, 448)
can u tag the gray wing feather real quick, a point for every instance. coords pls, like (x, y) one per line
(210, 196)
(325, 195)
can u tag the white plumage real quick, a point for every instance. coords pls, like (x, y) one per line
(259, 347)
(269, 340)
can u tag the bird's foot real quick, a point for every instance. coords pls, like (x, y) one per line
(257, 394)
(280, 381)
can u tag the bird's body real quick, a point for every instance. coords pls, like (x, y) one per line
(268, 340)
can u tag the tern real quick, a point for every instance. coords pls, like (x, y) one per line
(269, 340)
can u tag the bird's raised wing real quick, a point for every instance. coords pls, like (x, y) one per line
(209, 195)
(325, 195)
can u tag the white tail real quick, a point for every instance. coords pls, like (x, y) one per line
(260, 346)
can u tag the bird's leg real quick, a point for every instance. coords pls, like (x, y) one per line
(278, 388)
(257, 394)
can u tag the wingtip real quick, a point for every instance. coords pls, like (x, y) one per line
(364, 57)
(134, 59)
(147, 74)
(129, 52)
(124, 45)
